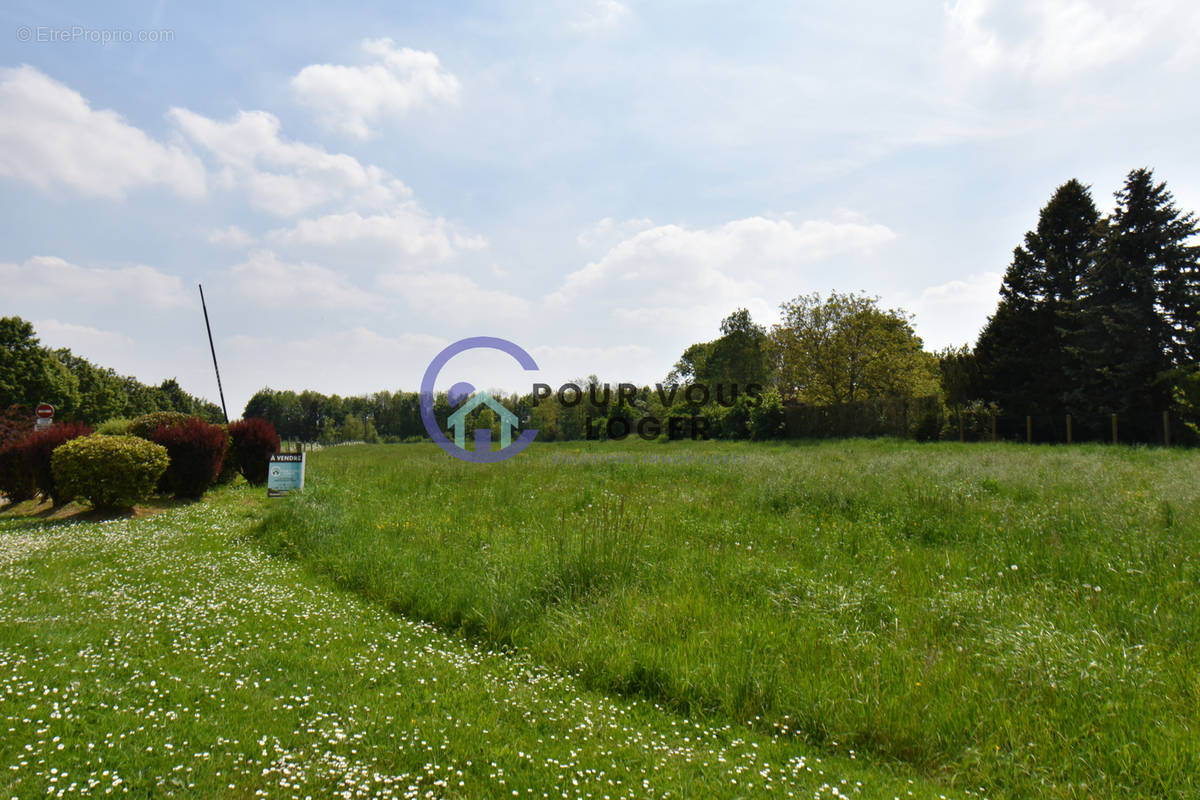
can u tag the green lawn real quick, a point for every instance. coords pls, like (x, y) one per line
(1021, 619)
(169, 656)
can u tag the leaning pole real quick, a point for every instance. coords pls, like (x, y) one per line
(213, 350)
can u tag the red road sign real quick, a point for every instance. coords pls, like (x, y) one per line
(45, 411)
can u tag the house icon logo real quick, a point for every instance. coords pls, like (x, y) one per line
(458, 420)
(483, 436)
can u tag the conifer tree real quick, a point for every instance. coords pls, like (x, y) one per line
(1023, 353)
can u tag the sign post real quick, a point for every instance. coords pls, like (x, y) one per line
(45, 417)
(285, 474)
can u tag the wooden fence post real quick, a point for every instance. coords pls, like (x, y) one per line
(1114, 426)
(960, 427)
(1167, 428)
(1028, 429)
(1068, 428)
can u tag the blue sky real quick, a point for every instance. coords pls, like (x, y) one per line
(600, 182)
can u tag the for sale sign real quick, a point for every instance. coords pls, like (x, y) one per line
(285, 474)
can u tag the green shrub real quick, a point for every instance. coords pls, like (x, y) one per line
(110, 472)
(767, 420)
(117, 426)
(145, 425)
(928, 427)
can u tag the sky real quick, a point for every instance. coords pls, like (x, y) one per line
(599, 182)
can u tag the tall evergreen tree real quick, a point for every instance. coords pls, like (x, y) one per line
(1023, 352)
(1139, 303)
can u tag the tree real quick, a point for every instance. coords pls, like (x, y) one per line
(739, 358)
(960, 376)
(30, 374)
(1139, 304)
(845, 349)
(1023, 352)
(100, 389)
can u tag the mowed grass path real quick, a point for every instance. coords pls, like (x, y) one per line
(166, 656)
(1023, 619)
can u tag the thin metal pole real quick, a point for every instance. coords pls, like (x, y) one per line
(213, 349)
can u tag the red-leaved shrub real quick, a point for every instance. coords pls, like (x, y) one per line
(25, 463)
(37, 447)
(16, 422)
(196, 449)
(254, 442)
(16, 482)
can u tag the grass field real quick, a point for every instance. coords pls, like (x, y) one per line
(168, 656)
(1021, 619)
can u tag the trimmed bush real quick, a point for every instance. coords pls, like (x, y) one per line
(145, 425)
(254, 442)
(117, 426)
(197, 450)
(110, 472)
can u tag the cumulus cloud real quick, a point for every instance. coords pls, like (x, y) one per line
(80, 338)
(672, 266)
(284, 177)
(46, 278)
(395, 81)
(50, 136)
(400, 237)
(265, 277)
(953, 313)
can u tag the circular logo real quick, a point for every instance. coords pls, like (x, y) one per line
(459, 395)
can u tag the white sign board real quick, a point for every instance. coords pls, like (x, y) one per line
(285, 474)
(41, 423)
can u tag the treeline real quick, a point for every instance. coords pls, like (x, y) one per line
(79, 390)
(1099, 315)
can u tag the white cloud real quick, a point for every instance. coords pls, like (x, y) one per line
(352, 98)
(601, 15)
(400, 237)
(264, 277)
(81, 339)
(953, 313)
(671, 266)
(1050, 41)
(285, 177)
(50, 136)
(455, 296)
(46, 278)
(232, 236)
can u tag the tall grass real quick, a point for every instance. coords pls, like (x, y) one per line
(1018, 618)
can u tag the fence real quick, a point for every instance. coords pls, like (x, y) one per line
(1148, 427)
